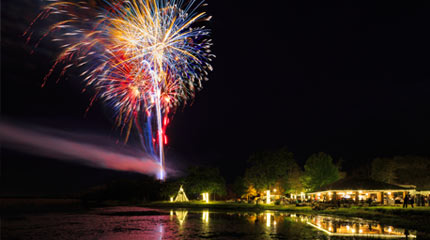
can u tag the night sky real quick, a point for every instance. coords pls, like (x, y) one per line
(348, 79)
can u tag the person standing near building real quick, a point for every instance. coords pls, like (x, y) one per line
(405, 201)
(411, 201)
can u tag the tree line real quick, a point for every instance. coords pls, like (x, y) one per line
(265, 170)
(279, 170)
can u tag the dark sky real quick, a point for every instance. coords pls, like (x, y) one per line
(349, 79)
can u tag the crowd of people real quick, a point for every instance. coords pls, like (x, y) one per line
(420, 200)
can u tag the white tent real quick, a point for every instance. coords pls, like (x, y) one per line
(181, 197)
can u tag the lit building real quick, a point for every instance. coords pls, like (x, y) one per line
(359, 189)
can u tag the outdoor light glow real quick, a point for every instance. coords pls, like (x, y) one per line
(268, 219)
(268, 197)
(206, 197)
(171, 199)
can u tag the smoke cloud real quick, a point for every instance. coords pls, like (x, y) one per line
(84, 149)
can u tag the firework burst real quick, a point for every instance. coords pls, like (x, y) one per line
(142, 57)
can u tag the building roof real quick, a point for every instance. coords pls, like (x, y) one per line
(360, 184)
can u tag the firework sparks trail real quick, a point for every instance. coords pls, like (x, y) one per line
(143, 58)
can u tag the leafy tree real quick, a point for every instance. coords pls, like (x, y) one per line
(170, 188)
(250, 191)
(362, 171)
(239, 187)
(293, 183)
(319, 171)
(412, 170)
(204, 179)
(272, 169)
(383, 169)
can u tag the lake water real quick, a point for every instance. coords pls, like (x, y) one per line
(142, 223)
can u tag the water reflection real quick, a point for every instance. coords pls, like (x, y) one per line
(160, 231)
(205, 216)
(181, 215)
(141, 223)
(333, 226)
(340, 227)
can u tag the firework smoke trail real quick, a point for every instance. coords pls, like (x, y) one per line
(142, 58)
(74, 147)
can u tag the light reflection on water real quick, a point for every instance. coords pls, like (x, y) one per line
(141, 223)
(205, 216)
(332, 226)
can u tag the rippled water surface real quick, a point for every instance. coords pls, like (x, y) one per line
(143, 223)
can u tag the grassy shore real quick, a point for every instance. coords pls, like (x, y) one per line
(417, 218)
